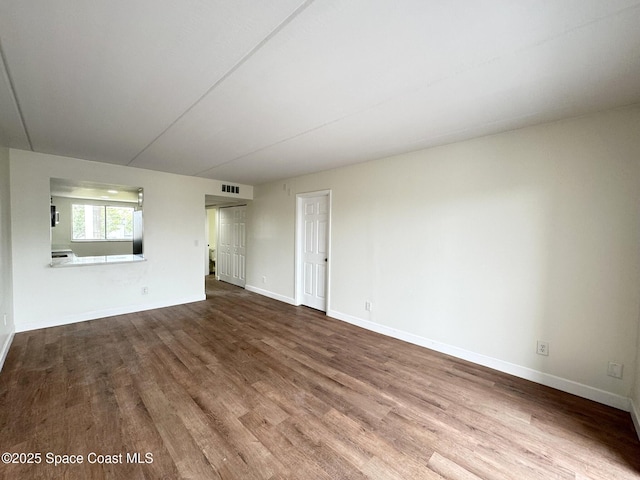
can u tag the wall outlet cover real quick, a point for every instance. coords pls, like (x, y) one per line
(543, 348)
(615, 369)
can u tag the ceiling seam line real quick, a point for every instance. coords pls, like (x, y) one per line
(14, 95)
(422, 87)
(292, 137)
(229, 72)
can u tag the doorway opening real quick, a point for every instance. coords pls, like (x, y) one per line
(226, 238)
(212, 240)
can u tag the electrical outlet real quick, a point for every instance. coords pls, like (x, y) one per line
(367, 306)
(543, 348)
(615, 370)
(145, 290)
(264, 279)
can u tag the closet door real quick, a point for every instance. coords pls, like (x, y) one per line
(314, 218)
(232, 245)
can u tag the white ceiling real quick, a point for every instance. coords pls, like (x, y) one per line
(251, 91)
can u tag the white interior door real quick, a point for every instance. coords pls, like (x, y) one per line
(314, 223)
(232, 245)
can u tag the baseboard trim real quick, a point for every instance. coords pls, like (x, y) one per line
(275, 296)
(5, 349)
(635, 416)
(109, 312)
(563, 384)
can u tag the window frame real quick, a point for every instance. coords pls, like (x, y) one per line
(104, 206)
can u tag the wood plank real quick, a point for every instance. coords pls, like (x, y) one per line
(241, 386)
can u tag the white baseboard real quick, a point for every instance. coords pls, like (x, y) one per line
(569, 386)
(5, 349)
(275, 296)
(109, 312)
(635, 416)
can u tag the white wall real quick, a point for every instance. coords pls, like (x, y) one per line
(174, 239)
(635, 396)
(481, 248)
(6, 283)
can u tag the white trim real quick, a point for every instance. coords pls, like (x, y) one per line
(275, 296)
(5, 348)
(569, 386)
(109, 312)
(635, 416)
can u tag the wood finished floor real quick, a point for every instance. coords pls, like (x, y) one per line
(244, 387)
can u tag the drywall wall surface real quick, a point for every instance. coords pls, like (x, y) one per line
(6, 280)
(487, 245)
(635, 395)
(174, 242)
(270, 241)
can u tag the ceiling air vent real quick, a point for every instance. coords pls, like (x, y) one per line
(231, 189)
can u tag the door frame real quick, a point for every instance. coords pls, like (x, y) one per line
(207, 231)
(298, 245)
